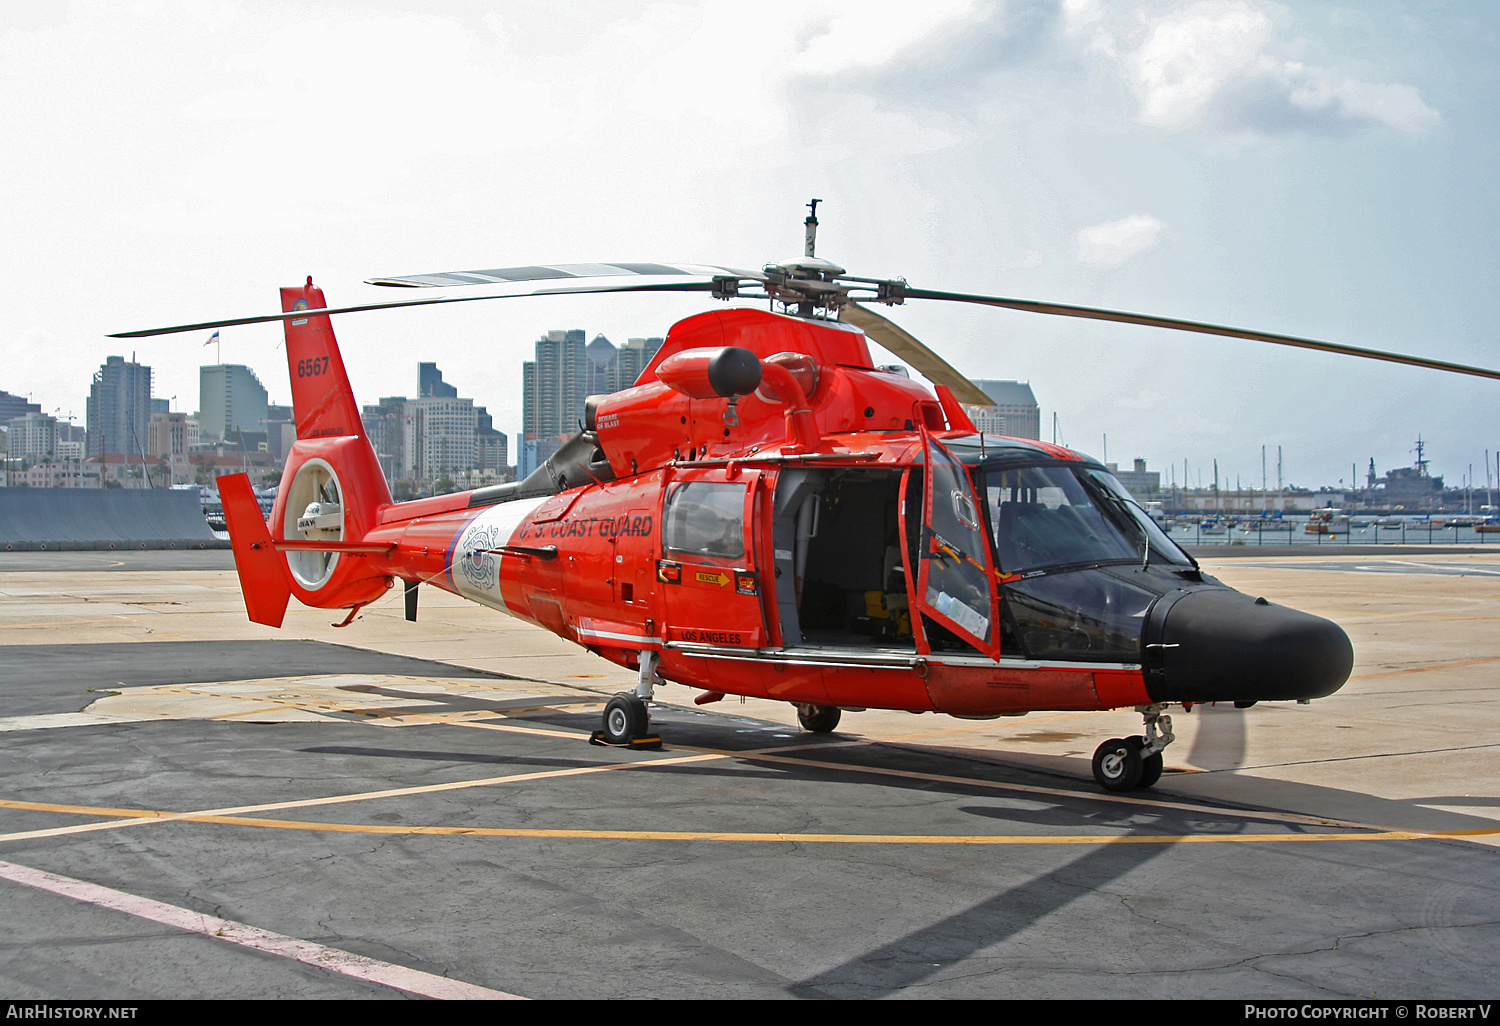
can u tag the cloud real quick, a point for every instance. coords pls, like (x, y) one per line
(1211, 64)
(874, 35)
(1189, 56)
(1029, 261)
(1114, 242)
(1145, 400)
(326, 118)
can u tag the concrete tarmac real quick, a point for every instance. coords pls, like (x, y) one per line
(397, 810)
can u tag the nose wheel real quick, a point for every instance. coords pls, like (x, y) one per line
(1127, 763)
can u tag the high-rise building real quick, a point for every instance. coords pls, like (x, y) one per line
(168, 435)
(280, 429)
(119, 407)
(631, 359)
(72, 441)
(385, 427)
(434, 436)
(553, 386)
(491, 446)
(231, 400)
(16, 406)
(442, 439)
(1015, 413)
(31, 437)
(567, 371)
(430, 383)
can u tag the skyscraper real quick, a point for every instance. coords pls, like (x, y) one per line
(564, 374)
(434, 436)
(553, 386)
(1015, 413)
(119, 407)
(32, 436)
(15, 406)
(430, 383)
(491, 446)
(231, 399)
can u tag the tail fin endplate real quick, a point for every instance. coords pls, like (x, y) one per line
(262, 570)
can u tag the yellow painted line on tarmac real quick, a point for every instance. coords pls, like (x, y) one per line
(780, 755)
(129, 817)
(774, 837)
(777, 755)
(136, 817)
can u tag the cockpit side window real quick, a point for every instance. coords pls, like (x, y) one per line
(1163, 548)
(1044, 516)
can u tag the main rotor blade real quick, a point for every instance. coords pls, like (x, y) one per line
(1091, 313)
(905, 345)
(694, 286)
(544, 272)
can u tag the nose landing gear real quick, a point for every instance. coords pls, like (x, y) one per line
(1124, 764)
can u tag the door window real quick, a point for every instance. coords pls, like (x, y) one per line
(706, 519)
(956, 585)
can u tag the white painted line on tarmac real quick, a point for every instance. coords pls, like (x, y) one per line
(412, 981)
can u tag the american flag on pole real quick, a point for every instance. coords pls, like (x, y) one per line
(212, 339)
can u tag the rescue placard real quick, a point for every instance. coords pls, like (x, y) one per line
(720, 578)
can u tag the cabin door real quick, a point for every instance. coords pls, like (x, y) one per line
(956, 580)
(706, 577)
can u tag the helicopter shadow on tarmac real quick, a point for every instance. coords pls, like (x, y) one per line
(907, 961)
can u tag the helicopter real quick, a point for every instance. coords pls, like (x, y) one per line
(768, 513)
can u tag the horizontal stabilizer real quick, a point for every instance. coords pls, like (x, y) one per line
(333, 546)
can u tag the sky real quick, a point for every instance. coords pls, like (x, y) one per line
(1325, 170)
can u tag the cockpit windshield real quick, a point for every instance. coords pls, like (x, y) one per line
(1056, 516)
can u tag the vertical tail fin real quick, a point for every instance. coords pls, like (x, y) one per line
(322, 401)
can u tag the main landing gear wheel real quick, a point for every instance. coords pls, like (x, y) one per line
(1118, 765)
(625, 719)
(820, 719)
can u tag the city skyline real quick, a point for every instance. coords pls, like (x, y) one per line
(605, 376)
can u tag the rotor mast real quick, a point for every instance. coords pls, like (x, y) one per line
(812, 229)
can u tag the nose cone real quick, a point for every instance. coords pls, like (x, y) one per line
(1218, 645)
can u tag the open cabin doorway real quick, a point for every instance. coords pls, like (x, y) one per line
(839, 567)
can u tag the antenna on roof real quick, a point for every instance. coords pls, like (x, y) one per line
(812, 228)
